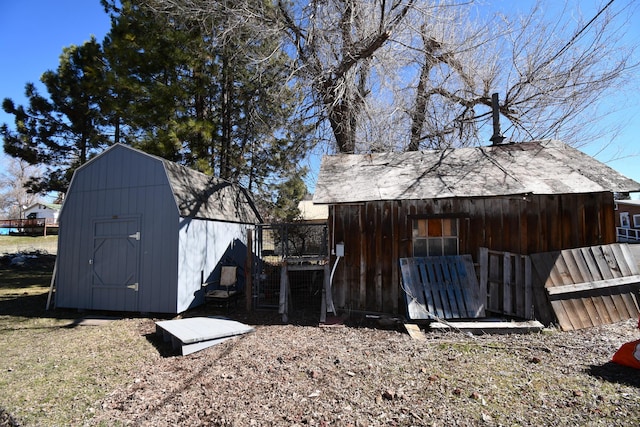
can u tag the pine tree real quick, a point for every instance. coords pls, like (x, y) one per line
(64, 130)
(200, 99)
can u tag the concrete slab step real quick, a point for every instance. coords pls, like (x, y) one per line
(197, 333)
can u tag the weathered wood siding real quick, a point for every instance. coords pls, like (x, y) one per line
(586, 287)
(377, 234)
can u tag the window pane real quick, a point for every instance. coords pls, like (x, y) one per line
(435, 227)
(435, 247)
(449, 227)
(624, 220)
(435, 236)
(450, 246)
(422, 227)
(420, 247)
(419, 228)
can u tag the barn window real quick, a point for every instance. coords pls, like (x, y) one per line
(435, 237)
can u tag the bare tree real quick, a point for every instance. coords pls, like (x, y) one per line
(13, 192)
(415, 74)
(552, 74)
(336, 44)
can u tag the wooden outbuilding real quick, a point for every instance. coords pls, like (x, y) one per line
(143, 234)
(521, 198)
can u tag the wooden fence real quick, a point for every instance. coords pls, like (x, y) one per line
(507, 278)
(577, 288)
(589, 286)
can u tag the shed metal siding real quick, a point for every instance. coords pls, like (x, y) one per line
(186, 222)
(121, 182)
(159, 269)
(203, 244)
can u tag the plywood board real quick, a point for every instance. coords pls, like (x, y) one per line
(414, 332)
(489, 327)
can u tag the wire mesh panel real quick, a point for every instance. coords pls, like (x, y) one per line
(301, 246)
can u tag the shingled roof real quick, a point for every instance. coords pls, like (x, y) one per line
(202, 196)
(537, 167)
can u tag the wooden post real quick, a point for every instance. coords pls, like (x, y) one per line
(528, 289)
(284, 292)
(248, 291)
(519, 290)
(483, 260)
(323, 303)
(52, 285)
(507, 306)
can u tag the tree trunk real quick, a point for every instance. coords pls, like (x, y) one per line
(225, 169)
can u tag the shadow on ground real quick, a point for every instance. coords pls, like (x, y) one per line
(7, 420)
(25, 283)
(615, 373)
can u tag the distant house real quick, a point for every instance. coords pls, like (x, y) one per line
(47, 211)
(312, 213)
(627, 220)
(139, 233)
(523, 198)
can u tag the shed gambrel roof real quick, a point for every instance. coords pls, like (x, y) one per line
(196, 195)
(537, 167)
(202, 196)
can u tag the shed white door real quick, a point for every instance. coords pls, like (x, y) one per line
(116, 247)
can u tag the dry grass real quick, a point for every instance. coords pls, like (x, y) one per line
(52, 371)
(16, 244)
(362, 376)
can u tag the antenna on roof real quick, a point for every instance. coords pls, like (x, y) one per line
(497, 137)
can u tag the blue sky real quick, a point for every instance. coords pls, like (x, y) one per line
(33, 33)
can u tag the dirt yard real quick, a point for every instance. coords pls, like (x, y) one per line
(364, 375)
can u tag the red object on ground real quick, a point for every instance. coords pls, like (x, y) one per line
(628, 355)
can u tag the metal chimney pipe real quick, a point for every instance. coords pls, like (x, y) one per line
(497, 137)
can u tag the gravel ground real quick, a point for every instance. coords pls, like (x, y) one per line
(363, 375)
